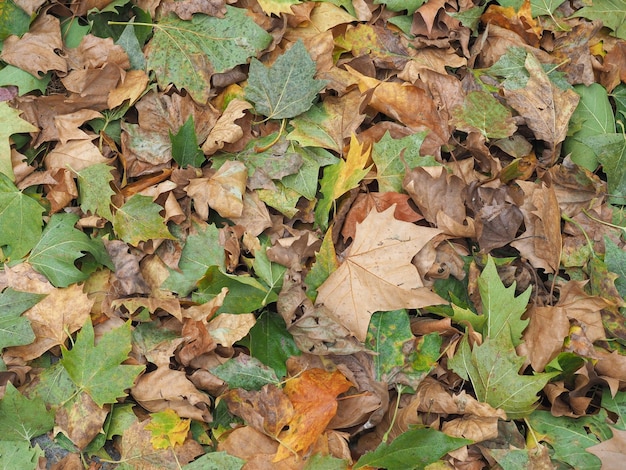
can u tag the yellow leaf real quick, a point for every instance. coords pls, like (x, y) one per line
(167, 429)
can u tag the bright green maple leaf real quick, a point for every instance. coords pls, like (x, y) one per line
(20, 220)
(24, 81)
(22, 419)
(393, 156)
(60, 246)
(482, 112)
(413, 449)
(98, 370)
(15, 329)
(187, 53)
(501, 309)
(202, 250)
(12, 123)
(185, 149)
(493, 368)
(612, 13)
(139, 220)
(286, 88)
(95, 190)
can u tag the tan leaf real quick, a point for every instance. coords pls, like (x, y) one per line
(255, 216)
(186, 8)
(377, 274)
(76, 155)
(543, 338)
(35, 51)
(80, 419)
(611, 452)
(476, 428)
(227, 328)
(166, 388)
(68, 125)
(132, 86)
(546, 108)
(225, 189)
(225, 129)
(58, 315)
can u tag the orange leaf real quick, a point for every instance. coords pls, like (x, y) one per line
(314, 398)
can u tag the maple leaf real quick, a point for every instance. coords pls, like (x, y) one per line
(377, 274)
(21, 418)
(97, 369)
(60, 246)
(610, 12)
(185, 149)
(276, 7)
(611, 451)
(15, 330)
(168, 429)
(286, 88)
(95, 190)
(20, 220)
(13, 124)
(187, 53)
(341, 178)
(313, 395)
(481, 111)
(139, 220)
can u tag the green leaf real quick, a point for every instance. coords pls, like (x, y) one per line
(286, 88)
(386, 336)
(19, 455)
(400, 5)
(216, 461)
(615, 259)
(12, 124)
(270, 273)
(185, 149)
(544, 7)
(97, 369)
(413, 449)
(22, 419)
(15, 330)
(592, 117)
(20, 220)
(615, 404)
(493, 367)
(610, 150)
(325, 462)
(569, 437)
(129, 41)
(13, 20)
(305, 180)
(325, 264)
(282, 198)
(55, 386)
(611, 12)
(139, 220)
(483, 113)
(314, 128)
(502, 310)
(60, 246)
(95, 190)
(24, 81)
(393, 156)
(271, 343)
(187, 53)
(245, 293)
(245, 372)
(201, 250)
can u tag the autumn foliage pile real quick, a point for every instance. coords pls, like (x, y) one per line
(284, 234)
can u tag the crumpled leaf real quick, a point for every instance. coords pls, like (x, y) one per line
(286, 88)
(377, 274)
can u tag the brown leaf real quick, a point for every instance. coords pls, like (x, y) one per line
(476, 428)
(255, 217)
(521, 21)
(68, 125)
(133, 84)
(227, 328)
(546, 108)
(35, 52)
(128, 278)
(543, 338)
(377, 274)
(186, 8)
(76, 154)
(80, 419)
(611, 452)
(225, 129)
(222, 192)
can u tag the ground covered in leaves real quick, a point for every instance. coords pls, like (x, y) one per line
(284, 234)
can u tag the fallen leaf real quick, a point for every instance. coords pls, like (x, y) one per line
(377, 274)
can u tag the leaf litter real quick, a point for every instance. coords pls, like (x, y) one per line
(294, 234)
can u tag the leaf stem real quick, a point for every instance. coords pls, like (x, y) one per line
(400, 388)
(276, 139)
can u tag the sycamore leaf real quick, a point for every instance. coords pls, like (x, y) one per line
(24, 81)
(20, 455)
(21, 418)
(377, 274)
(483, 113)
(15, 329)
(611, 451)
(60, 246)
(216, 461)
(270, 273)
(325, 264)
(544, 7)
(187, 53)
(493, 368)
(386, 336)
(95, 190)
(167, 429)
(139, 220)
(185, 149)
(286, 88)
(276, 7)
(313, 395)
(12, 124)
(611, 12)
(569, 437)
(393, 156)
(20, 220)
(341, 178)
(245, 372)
(97, 369)
(615, 259)
(400, 5)
(502, 310)
(610, 150)
(201, 250)
(413, 449)
(13, 20)
(305, 180)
